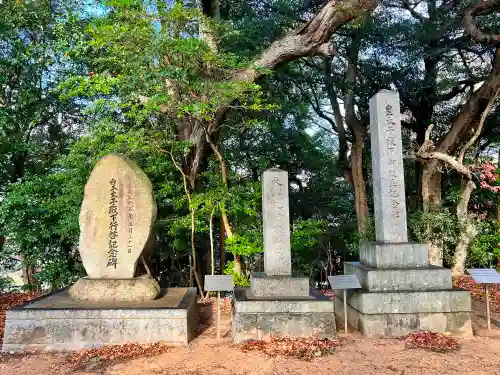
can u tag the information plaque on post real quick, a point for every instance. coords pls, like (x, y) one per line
(218, 283)
(485, 276)
(344, 282)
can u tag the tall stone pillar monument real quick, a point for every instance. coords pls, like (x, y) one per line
(401, 292)
(279, 302)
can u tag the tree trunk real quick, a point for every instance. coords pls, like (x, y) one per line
(222, 246)
(431, 202)
(212, 251)
(467, 230)
(361, 205)
(28, 274)
(431, 187)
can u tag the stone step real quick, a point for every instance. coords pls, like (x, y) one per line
(375, 325)
(297, 317)
(411, 279)
(262, 285)
(409, 302)
(394, 255)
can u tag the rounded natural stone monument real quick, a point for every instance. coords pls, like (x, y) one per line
(116, 221)
(117, 216)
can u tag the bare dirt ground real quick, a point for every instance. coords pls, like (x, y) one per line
(208, 356)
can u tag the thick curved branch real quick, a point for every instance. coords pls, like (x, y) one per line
(313, 38)
(427, 152)
(413, 12)
(471, 111)
(482, 8)
(479, 129)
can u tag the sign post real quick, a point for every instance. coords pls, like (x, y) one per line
(344, 282)
(485, 276)
(218, 283)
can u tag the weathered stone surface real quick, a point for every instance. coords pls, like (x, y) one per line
(278, 286)
(406, 302)
(116, 219)
(404, 279)
(298, 318)
(77, 327)
(401, 292)
(395, 325)
(387, 166)
(316, 302)
(391, 255)
(137, 289)
(276, 223)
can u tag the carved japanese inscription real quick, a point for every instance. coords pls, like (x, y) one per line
(387, 168)
(116, 219)
(276, 221)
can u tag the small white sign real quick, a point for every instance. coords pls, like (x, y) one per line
(219, 283)
(344, 282)
(484, 275)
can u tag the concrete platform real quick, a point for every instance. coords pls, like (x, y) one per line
(262, 285)
(387, 279)
(399, 324)
(57, 322)
(257, 317)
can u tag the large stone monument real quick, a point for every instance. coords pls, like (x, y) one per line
(116, 223)
(115, 303)
(401, 292)
(279, 302)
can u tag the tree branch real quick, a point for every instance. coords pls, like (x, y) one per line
(310, 39)
(426, 152)
(479, 128)
(471, 110)
(418, 16)
(482, 8)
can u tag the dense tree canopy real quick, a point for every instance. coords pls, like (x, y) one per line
(206, 95)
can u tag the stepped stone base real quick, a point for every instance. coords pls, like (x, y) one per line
(262, 285)
(57, 322)
(457, 323)
(402, 293)
(393, 255)
(386, 279)
(257, 317)
(408, 302)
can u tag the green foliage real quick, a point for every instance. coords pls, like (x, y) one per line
(485, 248)
(307, 234)
(439, 227)
(6, 285)
(243, 245)
(239, 279)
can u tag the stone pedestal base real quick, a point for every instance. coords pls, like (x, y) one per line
(393, 255)
(262, 285)
(395, 324)
(402, 293)
(57, 322)
(256, 317)
(138, 289)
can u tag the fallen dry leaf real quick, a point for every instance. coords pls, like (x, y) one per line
(305, 348)
(433, 341)
(116, 353)
(329, 293)
(477, 290)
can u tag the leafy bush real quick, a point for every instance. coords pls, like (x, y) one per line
(438, 227)
(239, 279)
